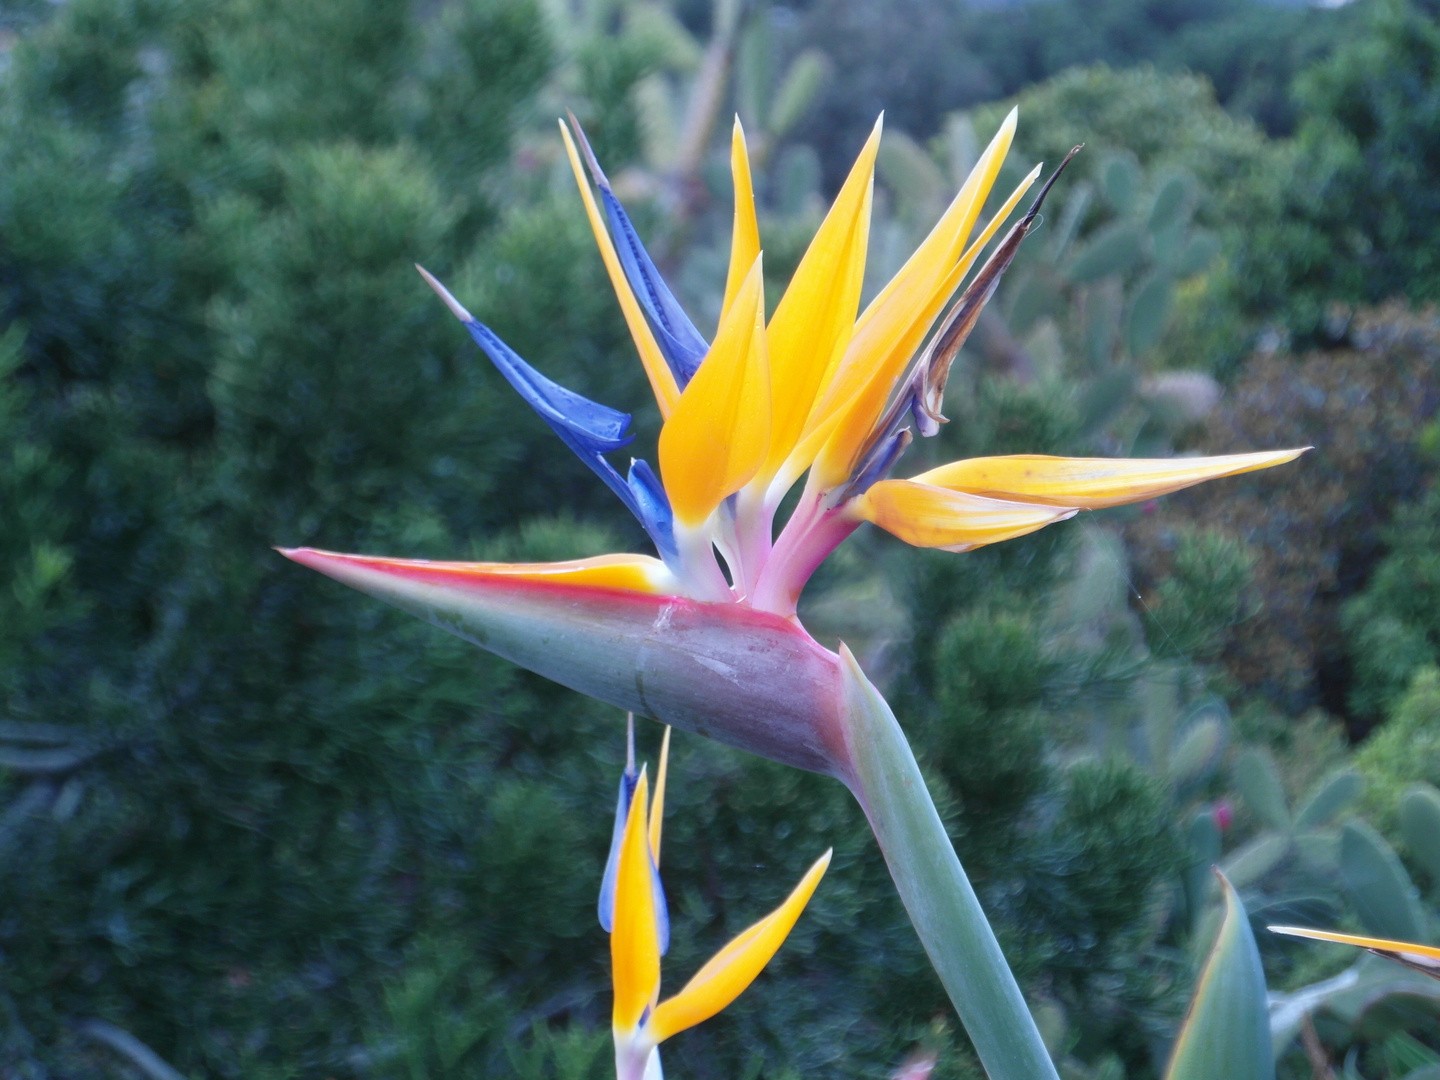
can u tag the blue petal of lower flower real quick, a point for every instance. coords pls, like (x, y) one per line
(606, 907)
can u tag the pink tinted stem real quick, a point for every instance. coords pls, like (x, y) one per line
(808, 538)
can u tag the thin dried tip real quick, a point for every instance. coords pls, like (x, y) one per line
(456, 308)
(934, 367)
(630, 744)
(596, 173)
(1049, 183)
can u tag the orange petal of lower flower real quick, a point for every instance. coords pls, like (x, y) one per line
(726, 975)
(635, 939)
(657, 804)
(935, 517)
(1423, 958)
(1091, 483)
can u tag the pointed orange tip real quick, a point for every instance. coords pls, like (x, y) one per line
(456, 308)
(1091, 483)
(1403, 950)
(725, 976)
(623, 573)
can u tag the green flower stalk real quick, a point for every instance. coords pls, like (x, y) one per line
(817, 392)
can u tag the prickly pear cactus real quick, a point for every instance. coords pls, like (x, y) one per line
(1103, 284)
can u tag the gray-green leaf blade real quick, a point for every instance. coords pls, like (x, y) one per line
(1227, 1030)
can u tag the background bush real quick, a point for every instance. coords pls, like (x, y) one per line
(271, 828)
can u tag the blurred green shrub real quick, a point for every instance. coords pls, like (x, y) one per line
(1356, 215)
(1165, 173)
(1317, 529)
(1205, 596)
(988, 735)
(1393, 626)
(1402, 751)
(922, 60)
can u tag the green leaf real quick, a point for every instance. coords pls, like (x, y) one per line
(1227, 1030)
(1196, 750)
(1120, 180)
(1420, 825)
(803, 80)
(1260, 786)
(1319, 850)
(1173, 203)
(1112, 250)
(1197, 254)
(1203, 839)
(1257, 858)
(1150, 312)
(1384, 897)
(1329, 797)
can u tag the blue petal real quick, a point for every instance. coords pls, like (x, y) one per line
(606, 908)
(877, 464)
(598, 428)
(662, 911)
(654, 506)
(679, 341)
(591, 430)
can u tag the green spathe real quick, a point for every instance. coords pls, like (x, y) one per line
(1227, 1030)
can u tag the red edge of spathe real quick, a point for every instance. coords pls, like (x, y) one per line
(442, 573)
(450, 574)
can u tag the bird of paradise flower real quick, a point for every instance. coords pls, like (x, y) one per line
(634, 913)
(815, 392)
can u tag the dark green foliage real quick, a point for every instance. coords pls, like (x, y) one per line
(1075, 862)
(1359, 213)
(919, 61)
(989, 735)
(34, 597)
(1317, 527)
(1114, 823)
(609, 67)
